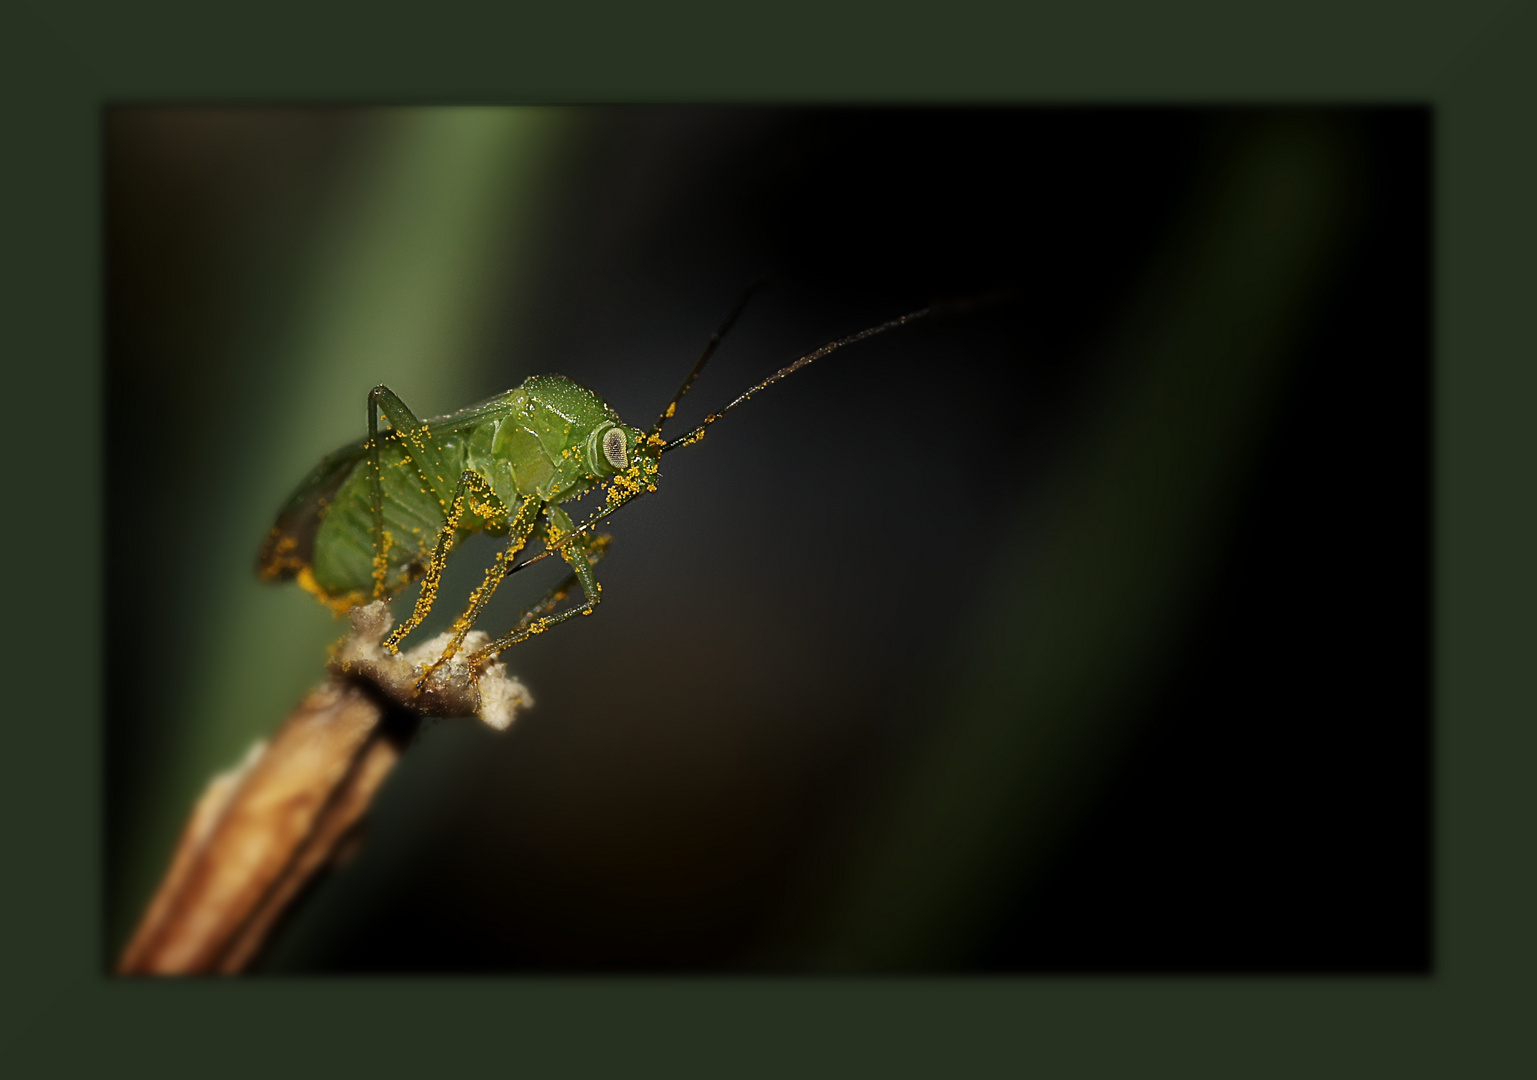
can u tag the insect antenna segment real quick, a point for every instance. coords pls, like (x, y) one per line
(941, 307)
(698, 433)
(709, 350)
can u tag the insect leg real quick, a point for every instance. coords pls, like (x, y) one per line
(421, 450)
(425, 599)
(416, 437)
(580, 553)
(577, 534)
(597, 548)
(376, 493)
(518, 532)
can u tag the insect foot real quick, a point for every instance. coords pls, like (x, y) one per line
(415, 680)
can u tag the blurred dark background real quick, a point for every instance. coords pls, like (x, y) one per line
(1085, 632)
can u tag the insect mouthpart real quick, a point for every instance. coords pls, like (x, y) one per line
(613, 448)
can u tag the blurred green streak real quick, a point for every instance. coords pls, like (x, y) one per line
(404, 284)
(1073, 641)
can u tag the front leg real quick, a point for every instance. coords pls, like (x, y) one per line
(580, 552)
(597, 547)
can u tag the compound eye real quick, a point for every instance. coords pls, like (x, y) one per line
(613, 448)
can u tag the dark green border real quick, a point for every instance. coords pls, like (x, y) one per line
(61, 63)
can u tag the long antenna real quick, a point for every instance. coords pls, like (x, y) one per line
(698, 433)
(709, 350)
(940, 307)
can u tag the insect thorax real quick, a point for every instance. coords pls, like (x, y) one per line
(549, 442)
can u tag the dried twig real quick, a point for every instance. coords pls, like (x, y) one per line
(263, 830)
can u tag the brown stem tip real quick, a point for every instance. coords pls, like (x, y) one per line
(262, 830)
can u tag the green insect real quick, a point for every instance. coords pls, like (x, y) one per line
(389, 509)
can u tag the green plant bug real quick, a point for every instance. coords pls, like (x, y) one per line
(389, 509)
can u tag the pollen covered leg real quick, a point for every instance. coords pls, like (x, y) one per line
(376, 491)
(597, 548)
(580, 553)
(421, 450)
(468, 481)
(518, 532)
(421, 446)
